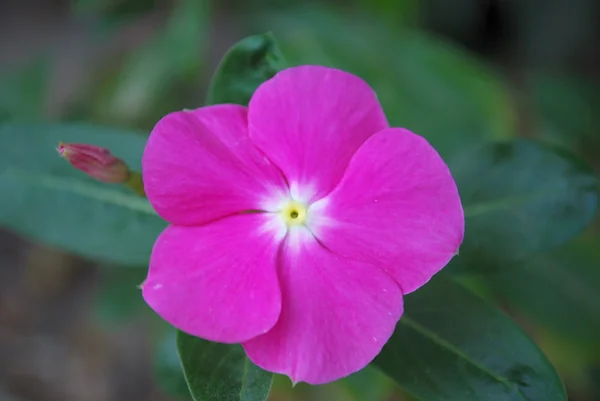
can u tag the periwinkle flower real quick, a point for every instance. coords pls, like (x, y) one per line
(297, 223)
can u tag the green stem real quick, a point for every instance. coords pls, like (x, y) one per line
(134, 182)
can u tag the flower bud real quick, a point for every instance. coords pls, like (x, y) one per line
(95, 161)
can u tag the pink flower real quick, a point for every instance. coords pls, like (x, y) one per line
(95, 161)
(297, 224)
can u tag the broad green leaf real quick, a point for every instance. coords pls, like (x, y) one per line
(118, 298)
(221, 372)
(560, 291)
(452, 346)
(520, 197)
(566, 111)
(434, 89)
(168, 369)
(246, 65)
(44, 198)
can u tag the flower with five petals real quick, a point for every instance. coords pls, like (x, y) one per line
(297, 223)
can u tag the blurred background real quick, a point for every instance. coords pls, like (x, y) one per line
(452, 70)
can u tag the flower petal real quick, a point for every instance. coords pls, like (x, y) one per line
(400, 204)
(200, 165)
(217, 281)
(337, 314)
(309, 121)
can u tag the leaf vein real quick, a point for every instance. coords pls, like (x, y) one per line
(445, 344)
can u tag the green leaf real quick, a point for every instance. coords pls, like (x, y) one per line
(451, 345)
(560, 291)
(520, 197)
(221, 372)
(47, 200)
(168, 369)
(119, 298)
(246, 65)
(428, 86)
(566, 109)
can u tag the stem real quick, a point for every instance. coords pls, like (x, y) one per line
(135, 182)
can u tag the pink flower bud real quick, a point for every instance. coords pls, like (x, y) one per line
(95, 161)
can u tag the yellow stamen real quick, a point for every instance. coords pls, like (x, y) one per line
(294, 213)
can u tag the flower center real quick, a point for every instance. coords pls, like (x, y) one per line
(294, 213)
